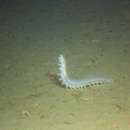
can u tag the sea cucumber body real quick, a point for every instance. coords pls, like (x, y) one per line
(75, 84)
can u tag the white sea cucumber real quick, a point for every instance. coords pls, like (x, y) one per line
(68, 82)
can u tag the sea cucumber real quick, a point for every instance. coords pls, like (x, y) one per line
(68, 82)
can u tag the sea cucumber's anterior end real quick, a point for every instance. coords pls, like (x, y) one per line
(61, 57)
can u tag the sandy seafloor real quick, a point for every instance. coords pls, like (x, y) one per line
(94, 37)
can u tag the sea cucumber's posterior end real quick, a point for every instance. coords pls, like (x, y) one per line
(110, 81)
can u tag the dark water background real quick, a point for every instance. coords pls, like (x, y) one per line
(93, 35)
